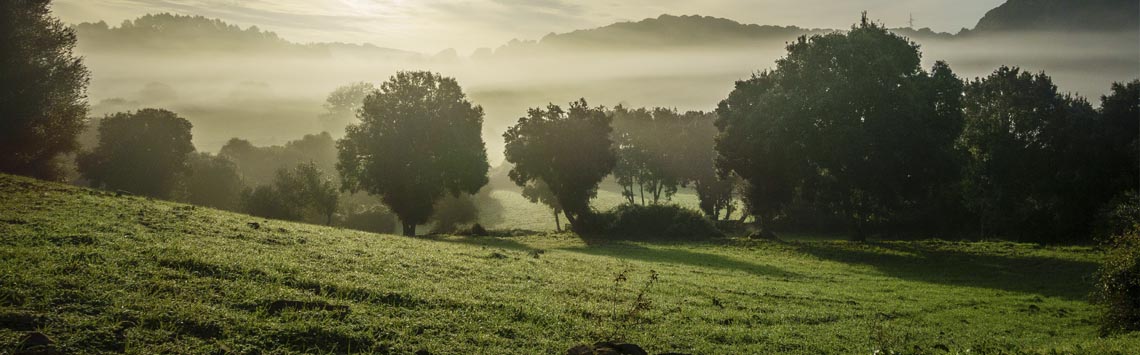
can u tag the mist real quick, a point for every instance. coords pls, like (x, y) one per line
(270, 99)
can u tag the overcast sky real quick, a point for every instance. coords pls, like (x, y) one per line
(433, 25)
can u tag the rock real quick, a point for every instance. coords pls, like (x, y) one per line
(580, 350)
(254, 225)
(630, 349)
(35, 340)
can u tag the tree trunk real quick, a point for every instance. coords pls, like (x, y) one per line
(328, 219)
(557, 222)
(409, 229)
(641, 187)
(571, 220)
(859, 232)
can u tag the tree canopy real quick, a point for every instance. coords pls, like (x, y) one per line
(846, 120)
(42, 90)
(570, 150)
(418, 138)
(1041, 162)
(143, 152)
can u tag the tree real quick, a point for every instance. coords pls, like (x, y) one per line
(570, 150)
(307, 189)
(537, 191)
(1037, 167)
(259, 165)
(645, 157)
(300, 193)
(213, 181)
(847, 120)
(42, 90)
(143, 152)
(342, 104)
(1120, 112)
(419, 138)
(267, 202)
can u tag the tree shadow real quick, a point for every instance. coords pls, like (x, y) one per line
(623, 250)
(930, 263)
(490, 242)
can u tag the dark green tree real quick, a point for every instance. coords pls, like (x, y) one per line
(42, 90)
(419, 138)
(570, 150)
(849, 121)
(213, 181)
(1039, 165)
(1120, 126)
(143, 152)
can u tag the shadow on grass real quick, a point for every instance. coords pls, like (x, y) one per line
(678, 256)
(490, 242)
(924, 262)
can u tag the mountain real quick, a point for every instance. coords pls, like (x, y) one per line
(179, 34)
(1062, 16)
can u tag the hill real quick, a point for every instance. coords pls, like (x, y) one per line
(187, 35)
(669, 32)
(1062, 16)
(100, 273)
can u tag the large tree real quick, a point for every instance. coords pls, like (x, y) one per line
(1040, 161)
(42, 85)
(143, 152)
(419, 138)
(570, 150)
(849, 121)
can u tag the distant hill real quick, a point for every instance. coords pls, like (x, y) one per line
(668, 32)
(1062, 16)
(180, 34)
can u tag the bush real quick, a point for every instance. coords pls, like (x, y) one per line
(375, 219)
(656, 222)
(1120, 215)
(1118, 287)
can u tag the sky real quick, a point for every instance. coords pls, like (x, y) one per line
(430, 26)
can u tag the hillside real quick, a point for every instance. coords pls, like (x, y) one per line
(170, 34)
(100, 273)
(670, 33)
(1062, 16)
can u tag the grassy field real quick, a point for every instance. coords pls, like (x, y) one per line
(99, 273)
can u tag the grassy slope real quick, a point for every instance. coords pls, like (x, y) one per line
(100, 273)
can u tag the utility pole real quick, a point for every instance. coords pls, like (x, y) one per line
(911, 21)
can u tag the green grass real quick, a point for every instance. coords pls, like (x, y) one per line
(100, 274)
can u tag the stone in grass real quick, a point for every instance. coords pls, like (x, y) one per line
(36, 343)
(607, 348)
(35, 340)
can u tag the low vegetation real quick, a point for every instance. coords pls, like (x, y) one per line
(100, 273)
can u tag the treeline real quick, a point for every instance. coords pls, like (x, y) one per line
(848, 134)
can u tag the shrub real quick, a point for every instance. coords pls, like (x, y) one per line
(1119, 216)
(658, 222)
(1118, 287)
(375, 219)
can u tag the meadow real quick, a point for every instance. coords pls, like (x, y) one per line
(98, 272)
